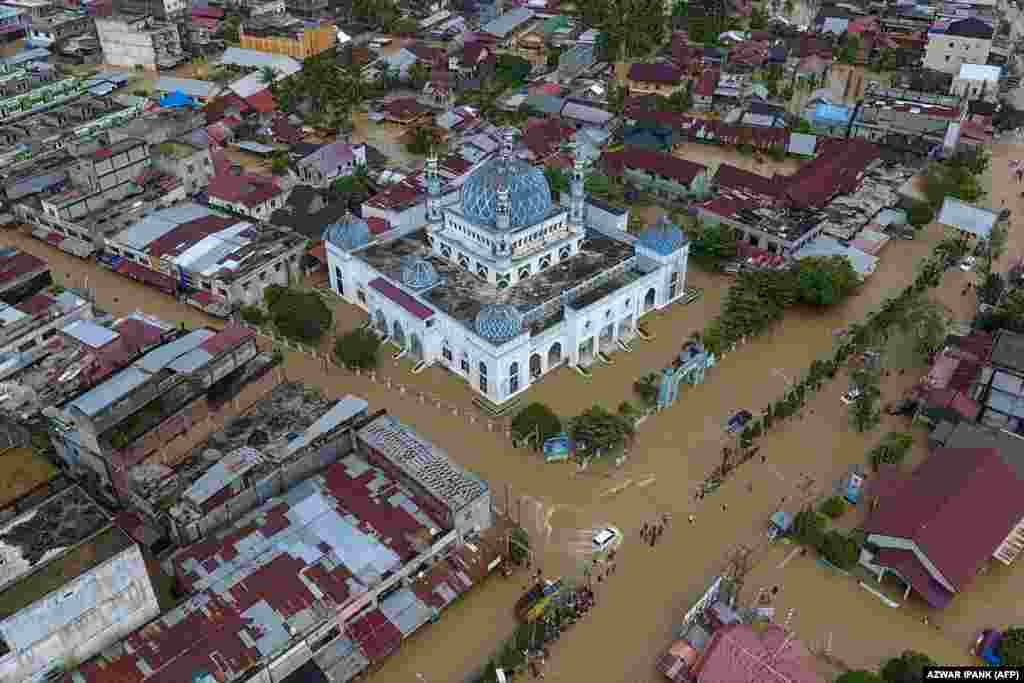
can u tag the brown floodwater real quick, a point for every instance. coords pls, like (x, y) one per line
(638, 609)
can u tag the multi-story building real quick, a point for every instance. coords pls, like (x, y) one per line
(21, 275)
(13, 23)
(330, 162)
(950, 44)
(32, 322)
(31, 9)
(185, 159)
(655, 78)
(977, 82)
(163, 10)
(307, 9)
(330, 577)
(58, 26)
(72, 585)
(128, 419)
(285, 35)
(246, 194)
(899, 112)
(135, 41)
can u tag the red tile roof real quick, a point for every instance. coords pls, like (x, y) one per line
(36, 304)
(20, 264)
(546, 137)
(838, 169)
(187, 234)
(655, 73)
(401, 298)
(707, 83)
(739, 654)
(957, 508)
(248, 189)
(679, 170)
(729, 176)
(228, 338)
(906, 564)
(954, 400)
(262, 101)
(378, 226)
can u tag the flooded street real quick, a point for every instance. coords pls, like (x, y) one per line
(638, 608)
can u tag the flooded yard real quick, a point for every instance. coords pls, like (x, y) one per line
(639, 608)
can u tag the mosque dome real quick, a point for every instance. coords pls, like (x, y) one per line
(663, 238)
(419, 274)
(498, 323)
(351, 232)
(529, 193)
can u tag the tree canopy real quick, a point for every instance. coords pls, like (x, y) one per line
(712, 243)
(596, 429)
(1011, 647)
(950, 179)
(859, 676)
(536, 419)
(511, 70)
(825, 280)
(302, 316)
(629, 28)
(892, 449)
(907, 668)
(358, 348)
(324, 92)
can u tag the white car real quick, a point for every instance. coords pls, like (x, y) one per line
(850, 396)
(968, 264)
(604, 539)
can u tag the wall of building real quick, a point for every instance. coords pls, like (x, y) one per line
(313, 42)
(194, 171)
(975, 89)
(125, 45)
(248, 291)
(947, 53)
(39, 331)
(121, 600)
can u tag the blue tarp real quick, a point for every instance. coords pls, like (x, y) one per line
(831, 113)
(176, 99)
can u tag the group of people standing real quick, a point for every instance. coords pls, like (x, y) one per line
(652, 531)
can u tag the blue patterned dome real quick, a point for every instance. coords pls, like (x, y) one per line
(418, 274)
(664, 237)
(498, 323)
(529, 193)
(351, 232)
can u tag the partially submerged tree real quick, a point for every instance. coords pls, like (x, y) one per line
(358, 348)
(536, 422)
(597, 430)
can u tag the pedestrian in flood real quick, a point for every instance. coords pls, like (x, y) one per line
(750, 487)
(643, 530)
(692, 519)
(725, 508)
(764, 459)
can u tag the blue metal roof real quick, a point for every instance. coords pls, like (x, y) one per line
(832, 113)
(663, 238)
(351, 232)
(37, 54)
(101, 396)
(498, 323)
(158, 359)
(528, 192)
(508, 22)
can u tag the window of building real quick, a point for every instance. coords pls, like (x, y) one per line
(483, 377)
(339, 280)
(464, 363)
(277, 267)
(513, 378)
(361, 295)
(446, 351)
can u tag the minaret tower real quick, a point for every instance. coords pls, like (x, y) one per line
(435, 220)
(576, 194)
(502, 218)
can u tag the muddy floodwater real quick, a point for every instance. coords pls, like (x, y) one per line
(638, 608)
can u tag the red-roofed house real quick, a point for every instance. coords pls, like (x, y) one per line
(704, 91)
(247, 194)
(21, 275)
(544, 139)
(655, 78)
(262, 102)
(937, 531)
(661, 173)
(738, 653)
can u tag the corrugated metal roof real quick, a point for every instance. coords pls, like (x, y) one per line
(962, 216)
(191, 361)
(342, 411)
(90, 334)
(187, 86)
(101, 396)
(403, 609)
(256, 147)
(257, 59)
(508, 22)
(158, 224)
(581, 112)
(824, 245)
(222, 474)
(205, 256)
(157, 359)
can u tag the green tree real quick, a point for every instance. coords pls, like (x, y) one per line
(823, 281)
(1008, 315)
(1011, 647)
(887, 60)
(859, 676)
(358, 348)
(302, 316)
(808, 527)
(268, 75)
(600, 185)
(921, 214)
(628, 27)
(646, 389)
(990, 291)
(892, 449)
(849, 52)
(510, 70)
(419, 74)
(229, 29)
(758, 20)
(864, 410)
(596, 429)
(907, 668)
(712, 244)
(947, 179)
(422, 139)
(840, 550)
(833, 507)
(557, 179)
(536, 422)
(279, 162)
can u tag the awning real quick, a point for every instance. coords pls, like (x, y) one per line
(55, 238)
(147, 276)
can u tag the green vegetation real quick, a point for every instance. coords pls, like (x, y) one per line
(864, 411)
(833, 507)
(907, 668)
(712, 244)
(558, 180)
(629, 28)
(959, 177)
(357, 349)
(859, 676)
(1011, 647)
(597, 430)
(842, 551)
(892, 449)
(921, 214)
(422, 139)
(646, 389)
(808, 527)
(253, 315)
(302, 316)
(823, 281)
(536, 422)
(511, 71)
(324, 93)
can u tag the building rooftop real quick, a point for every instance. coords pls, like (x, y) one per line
(461, 295)
(49, 545)
(21, 471)
(1008, 351)
(261, 441)
(15, 264)
(508, 22)
(976, 221)
(423, 462)
(288, 566)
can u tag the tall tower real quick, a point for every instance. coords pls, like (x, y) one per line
(502, 218)
(576, 195)
(508, 143)
(434, 218)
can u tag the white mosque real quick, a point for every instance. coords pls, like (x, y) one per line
(506, 285)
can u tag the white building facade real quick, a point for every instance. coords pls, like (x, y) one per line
(504, 285)
(967, 41)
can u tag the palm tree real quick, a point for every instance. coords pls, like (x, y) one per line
(268, 75)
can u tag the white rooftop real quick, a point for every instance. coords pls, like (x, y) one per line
(980, 72)
(90, 334)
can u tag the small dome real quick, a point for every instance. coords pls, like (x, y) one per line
(419, 274)
(528, 192)
(498, 323)
(664, 237)
(351, 232)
